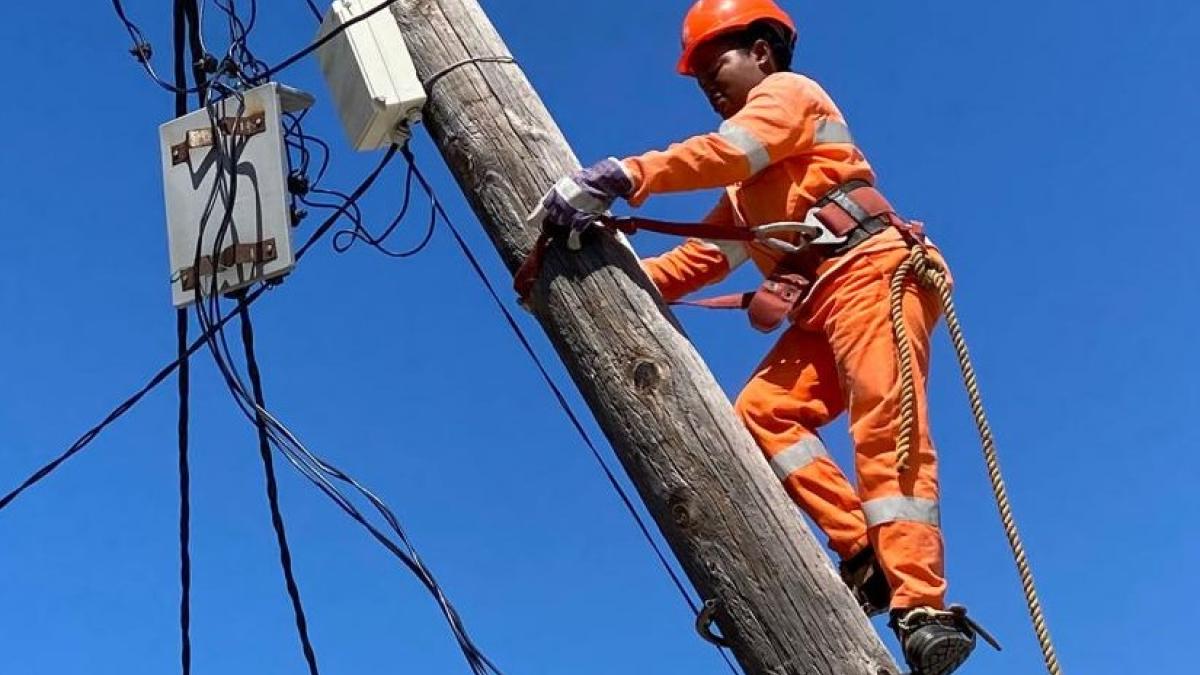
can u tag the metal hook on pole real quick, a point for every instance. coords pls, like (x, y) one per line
(704, 623)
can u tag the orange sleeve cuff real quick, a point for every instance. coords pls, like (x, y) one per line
(686, 268)
(695, 263)
(639, 194)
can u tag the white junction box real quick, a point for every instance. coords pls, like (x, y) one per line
(252, 241)
(371, 75)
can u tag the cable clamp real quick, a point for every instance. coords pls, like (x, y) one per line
(245, 126)
(236, 254)
(208, 63)
(142, 51)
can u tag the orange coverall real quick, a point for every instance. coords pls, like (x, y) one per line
(783, 151)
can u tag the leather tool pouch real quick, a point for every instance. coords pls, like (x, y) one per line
(775, 300)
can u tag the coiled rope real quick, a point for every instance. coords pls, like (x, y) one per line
(929, 274)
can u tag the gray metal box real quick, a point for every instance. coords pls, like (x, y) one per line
(254, 241)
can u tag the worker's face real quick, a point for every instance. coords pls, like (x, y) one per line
(726, 73)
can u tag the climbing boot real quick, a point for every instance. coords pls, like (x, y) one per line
(936, 642)
(865, 578)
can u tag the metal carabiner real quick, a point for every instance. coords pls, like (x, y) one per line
(811, 230)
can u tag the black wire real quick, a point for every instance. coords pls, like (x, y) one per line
(280, 437)
(291, 60)
(227, 151)
(264, 447)
(196, 45)
(239, 53)
(125, 406)
(181, 331)
(92, 433)
(312, 6)
(317, 470)
(355, 196)
(213, 322)
(185, 557)
(360, 233)
(227, 167)
(558, 393)
(140, 43)
(326, 153)
(312, 467)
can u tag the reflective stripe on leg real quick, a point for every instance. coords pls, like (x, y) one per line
(799, 455)
(892, 509)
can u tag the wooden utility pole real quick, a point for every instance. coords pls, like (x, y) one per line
(780, 605)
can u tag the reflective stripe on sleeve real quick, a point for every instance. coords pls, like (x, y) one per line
(734, 251)
(890, 509)
(832, 131)
(806, 451)
(755, 151)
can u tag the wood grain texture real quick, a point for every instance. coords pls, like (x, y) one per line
(722, 510)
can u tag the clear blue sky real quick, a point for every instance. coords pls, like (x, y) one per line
(1049, 147)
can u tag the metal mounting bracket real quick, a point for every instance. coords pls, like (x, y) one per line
(236, 254)
(246, 126)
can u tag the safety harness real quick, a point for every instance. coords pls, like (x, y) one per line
(841, 220)
(844, 218)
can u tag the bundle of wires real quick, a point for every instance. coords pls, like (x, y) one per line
(224, 101)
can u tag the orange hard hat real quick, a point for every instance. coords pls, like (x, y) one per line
(708, 19)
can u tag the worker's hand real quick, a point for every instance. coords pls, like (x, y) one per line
(578, 200)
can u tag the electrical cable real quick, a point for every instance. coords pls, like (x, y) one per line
(143, 51)
(264, 447)
(225, 186)
(312, 467)
(159, 377)
(285, 441)
(360, 233)
(312, 7)
(185, 557)
(184, 388)
(291, 60)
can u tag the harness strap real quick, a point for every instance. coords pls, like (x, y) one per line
(631, 225)
(855, 210)
(527, 274)
(731, 301)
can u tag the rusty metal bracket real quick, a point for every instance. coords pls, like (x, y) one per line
(704, 622)
(246, 126)
(236, 254)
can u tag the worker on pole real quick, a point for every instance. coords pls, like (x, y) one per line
(793, 176)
